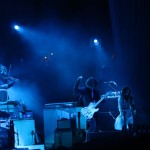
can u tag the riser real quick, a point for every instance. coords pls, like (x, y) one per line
(32, 147)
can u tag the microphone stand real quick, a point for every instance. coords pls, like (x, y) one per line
(112, 87)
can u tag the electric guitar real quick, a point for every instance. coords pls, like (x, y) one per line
(89, 111)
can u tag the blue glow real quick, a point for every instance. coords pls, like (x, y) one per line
(96, 42)
(16, 27)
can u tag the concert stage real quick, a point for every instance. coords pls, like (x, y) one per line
(111, 140)
(65, 128)
(104, 140)
(99, 141)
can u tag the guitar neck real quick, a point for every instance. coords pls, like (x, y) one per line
(99, 101)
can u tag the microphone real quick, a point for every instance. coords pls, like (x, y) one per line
(80, 77)
(111, 82)
(107, 82)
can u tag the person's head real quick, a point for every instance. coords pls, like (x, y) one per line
(91, 83)
(126, 92)
(3, 70)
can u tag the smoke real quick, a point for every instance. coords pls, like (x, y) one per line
(28, 94)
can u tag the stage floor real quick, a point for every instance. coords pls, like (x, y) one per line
(105, 140)
(109, 140)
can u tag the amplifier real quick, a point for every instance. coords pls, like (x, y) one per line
(63, 137)
(54, 115)
(63, 123)
(66, 123)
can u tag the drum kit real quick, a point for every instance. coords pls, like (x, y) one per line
(4, 114)
(3, 117)
(5, 121)
(6, 111)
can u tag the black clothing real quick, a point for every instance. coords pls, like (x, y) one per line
(88, 95)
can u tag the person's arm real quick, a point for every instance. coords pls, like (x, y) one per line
(8, 85)
(78, 91)
(4, 86)
(76, 87)
(132, 105)
(120, 105)
(11, 84)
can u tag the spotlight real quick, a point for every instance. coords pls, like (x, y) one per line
(94, 42)
(16, 27)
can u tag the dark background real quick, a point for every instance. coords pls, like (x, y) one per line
(62, 30)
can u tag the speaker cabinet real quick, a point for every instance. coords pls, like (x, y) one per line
(56, 117)
(63, 137)
(24, 132)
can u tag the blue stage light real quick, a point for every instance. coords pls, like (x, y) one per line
(16, 27)
(95, 42)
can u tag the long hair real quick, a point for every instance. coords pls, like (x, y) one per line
(3, 70)
(126, 92)
(91, 82)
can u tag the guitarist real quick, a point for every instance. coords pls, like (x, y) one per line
(88, 94)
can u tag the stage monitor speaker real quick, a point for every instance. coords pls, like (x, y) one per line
(24, 132)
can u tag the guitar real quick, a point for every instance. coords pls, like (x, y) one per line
(89, 111)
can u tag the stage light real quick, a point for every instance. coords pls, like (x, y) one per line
(16, 27)
(95, 42)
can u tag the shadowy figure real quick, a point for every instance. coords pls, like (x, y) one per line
(6, 82)
(125, 120)
(89, 95)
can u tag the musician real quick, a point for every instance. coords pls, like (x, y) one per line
(6, 82)
(89, 93)
(126, 107)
